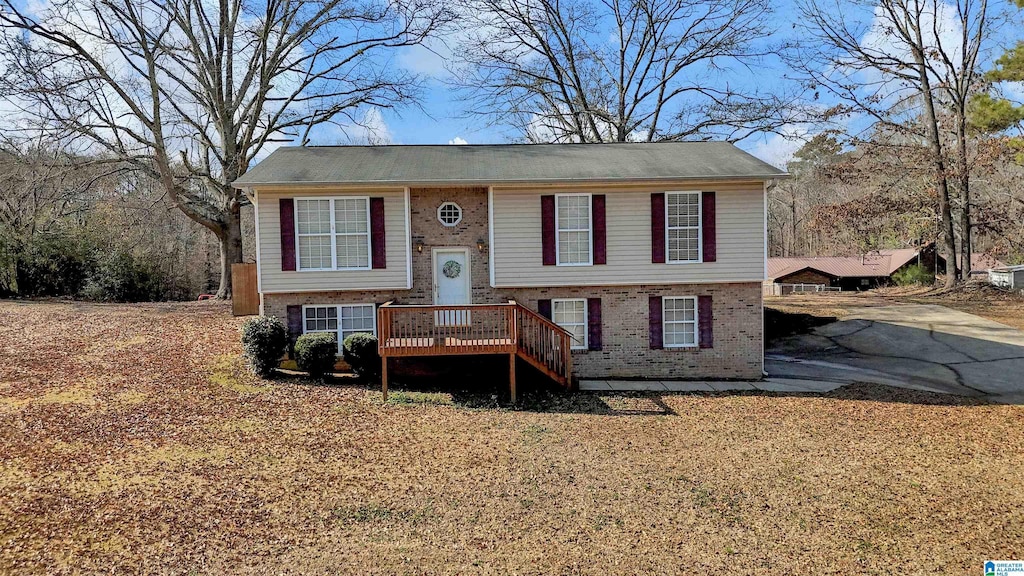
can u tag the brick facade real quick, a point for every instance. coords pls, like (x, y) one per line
(626, 353)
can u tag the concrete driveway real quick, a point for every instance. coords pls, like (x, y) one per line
(924, 347)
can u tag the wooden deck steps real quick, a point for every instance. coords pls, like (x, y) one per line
(512, 329)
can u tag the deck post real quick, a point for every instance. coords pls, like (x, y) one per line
(384, 377)
(512, 376)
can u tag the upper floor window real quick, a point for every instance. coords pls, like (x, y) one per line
(333, 233)
(449, 214)
(574, 230)
(682, 226)
(571, 314)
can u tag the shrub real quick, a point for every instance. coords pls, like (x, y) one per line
(916, 274)
(264, 341)
(316, 353)
(360, 351)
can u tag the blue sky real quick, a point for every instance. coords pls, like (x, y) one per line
(441, 120)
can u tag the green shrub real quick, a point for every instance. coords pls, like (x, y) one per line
(360, 351)
(316, 353)
(264, 341)
(916, 274)
(123, 277)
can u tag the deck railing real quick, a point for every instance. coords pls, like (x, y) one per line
(475, 329)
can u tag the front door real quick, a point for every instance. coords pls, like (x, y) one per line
(452, 285)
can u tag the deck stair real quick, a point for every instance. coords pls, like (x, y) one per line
(511, 328)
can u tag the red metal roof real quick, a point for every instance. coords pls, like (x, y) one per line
(878, 263)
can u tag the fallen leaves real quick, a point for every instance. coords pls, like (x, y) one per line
(135, 441)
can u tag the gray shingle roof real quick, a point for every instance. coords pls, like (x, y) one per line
(505, 163)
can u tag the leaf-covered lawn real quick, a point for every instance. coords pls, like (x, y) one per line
(134, 442)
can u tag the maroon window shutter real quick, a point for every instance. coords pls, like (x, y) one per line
(287, 206)
(378, 240)
(654, 316)
(707, 220)
(294, 326)
(597, 211)
(593, 323)
(706, 322)
(547, 229)
(544, 308)
(658, 228)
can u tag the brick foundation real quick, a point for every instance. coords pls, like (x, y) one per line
(738, 327)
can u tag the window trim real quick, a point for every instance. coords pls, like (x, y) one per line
(700, 227)
(441, 207)
(665, 323)
(589, 230)
(586, 322)
(338, 307)
(334, 235)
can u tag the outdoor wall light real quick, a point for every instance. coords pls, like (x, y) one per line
(419, 244)
(481, 245)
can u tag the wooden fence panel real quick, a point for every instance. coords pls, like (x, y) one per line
(245, 298)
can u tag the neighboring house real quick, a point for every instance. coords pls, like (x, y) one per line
(846, 272)
(649, 258)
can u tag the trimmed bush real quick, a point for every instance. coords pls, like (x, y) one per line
(316, 353)
(916, 274)
(360, 351)
(264, 341)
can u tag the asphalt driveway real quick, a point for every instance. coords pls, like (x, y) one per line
(925, 347)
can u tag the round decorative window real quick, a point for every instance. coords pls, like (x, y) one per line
(449, 214)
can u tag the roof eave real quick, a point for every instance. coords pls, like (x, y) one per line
(519, 182)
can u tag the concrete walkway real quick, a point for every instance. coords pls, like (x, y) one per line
(767, 385)
(923, 347)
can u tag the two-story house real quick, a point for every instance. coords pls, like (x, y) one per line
(584, 261)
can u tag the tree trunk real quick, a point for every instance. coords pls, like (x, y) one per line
(939, 170)
(965, 199)
(230, 238)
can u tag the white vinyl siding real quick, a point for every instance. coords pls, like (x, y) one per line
(342, 320)
(679, 321)
(274, 280)
(333, 233)
(518, 260)
(683, 227)
(571, 314)
(573, 230)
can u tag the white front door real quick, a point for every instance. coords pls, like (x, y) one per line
(452, 285)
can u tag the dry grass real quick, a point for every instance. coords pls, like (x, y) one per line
(132, 443)
(976, 298)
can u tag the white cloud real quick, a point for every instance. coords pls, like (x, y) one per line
(428, 59)
(778, 149)
(458, 141)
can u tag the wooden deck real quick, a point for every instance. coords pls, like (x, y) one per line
(512, 329)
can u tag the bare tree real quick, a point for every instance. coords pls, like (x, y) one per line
(190, 92)
(898, 69)
(617, 70)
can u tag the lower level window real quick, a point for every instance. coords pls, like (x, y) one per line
(679, 318)
(572, 315)
(343, 320)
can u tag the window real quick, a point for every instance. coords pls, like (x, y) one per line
(572, 315)
(682, 226)
(449, 214)
(343, 321)
(573, 229)
(333, 233)
(679, 318)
